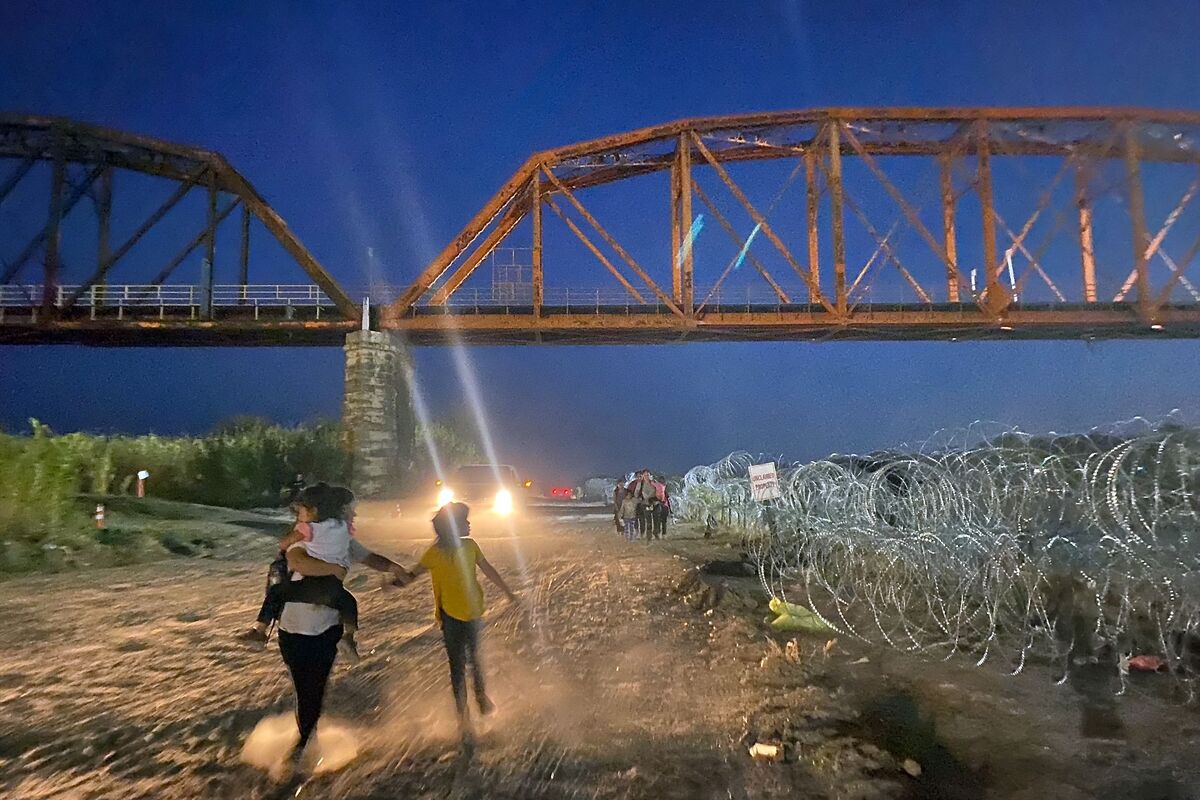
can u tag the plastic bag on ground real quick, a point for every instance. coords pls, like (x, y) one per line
(792, 617)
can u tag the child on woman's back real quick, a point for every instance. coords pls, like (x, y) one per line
(323, 531)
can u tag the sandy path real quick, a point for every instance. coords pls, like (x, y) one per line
(125, 683)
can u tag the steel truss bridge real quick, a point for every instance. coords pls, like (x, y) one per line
(85, 161)
(906, 224)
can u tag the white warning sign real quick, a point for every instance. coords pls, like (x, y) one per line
(764, 483)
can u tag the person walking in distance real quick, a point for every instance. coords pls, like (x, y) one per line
(662, 509)
(629, 516)
(644, 493)
(619, 493)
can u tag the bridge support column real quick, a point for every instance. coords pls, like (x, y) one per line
(378, 425)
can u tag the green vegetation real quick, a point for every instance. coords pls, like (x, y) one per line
(454, 447)
(50, 485)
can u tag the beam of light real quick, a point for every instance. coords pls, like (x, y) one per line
(685, 248)
(423, 420)
(746, 247)
(412, 220)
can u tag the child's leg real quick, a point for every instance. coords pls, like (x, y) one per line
(454, 634)
(272, 604)
(322, 590)
(472, 647)
(347, 608)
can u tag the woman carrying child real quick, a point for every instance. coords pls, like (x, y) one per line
(315, 606)
(324, 530)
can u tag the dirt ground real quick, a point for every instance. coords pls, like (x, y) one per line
(614, 680)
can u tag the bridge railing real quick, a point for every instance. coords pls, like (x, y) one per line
(168, 296)
(513, 300)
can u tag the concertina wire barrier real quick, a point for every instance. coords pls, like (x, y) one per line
(998, 544)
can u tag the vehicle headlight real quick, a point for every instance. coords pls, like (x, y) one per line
(504, 502)
(445, 495)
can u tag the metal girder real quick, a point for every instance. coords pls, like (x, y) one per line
(101, 150)
(20, 172)
(136, 236)
(812, 200)
(274, 223)
(202, 238)
(946, 322)
(579, 234)
(738, 241)
(949, 237)
(615, 245)
(687, 264)
(761, 222)
(60, 206)
(464, 239)
(971, 139)
(103, 198)
(510, 220)
(535, 208)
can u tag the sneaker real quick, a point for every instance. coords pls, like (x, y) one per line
(252, 637)
(486, 707)
(348, 648)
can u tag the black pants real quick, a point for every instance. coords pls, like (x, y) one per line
(462, 647)
(324, 590)
(645, 523)
(309, 659)
(660, 520)
(272, 605)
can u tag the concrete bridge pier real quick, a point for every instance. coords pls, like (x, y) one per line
(377, 416)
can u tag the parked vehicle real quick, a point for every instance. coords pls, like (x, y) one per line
(494, 486)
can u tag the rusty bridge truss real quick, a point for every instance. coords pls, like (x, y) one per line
(838, 223)
(903, 224)
(82, 161)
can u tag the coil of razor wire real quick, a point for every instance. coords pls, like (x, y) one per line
(996, 543)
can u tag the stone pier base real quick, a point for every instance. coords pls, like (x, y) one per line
(377, 416)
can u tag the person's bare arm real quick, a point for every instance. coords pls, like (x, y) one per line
(494, 576)
(300, 561)
(289, 539)
(384, 564)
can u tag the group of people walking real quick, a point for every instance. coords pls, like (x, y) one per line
(641, 507)
(317, 617)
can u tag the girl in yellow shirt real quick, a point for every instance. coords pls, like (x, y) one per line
(458, 602)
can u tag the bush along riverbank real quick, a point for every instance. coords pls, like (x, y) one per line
(50, 485)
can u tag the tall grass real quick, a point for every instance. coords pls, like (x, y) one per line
(247, 462)
(39, 477)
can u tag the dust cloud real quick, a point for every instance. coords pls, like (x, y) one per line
(267, 747)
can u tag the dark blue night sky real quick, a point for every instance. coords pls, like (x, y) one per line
(386, 125)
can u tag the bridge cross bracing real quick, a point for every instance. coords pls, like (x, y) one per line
(835, 223)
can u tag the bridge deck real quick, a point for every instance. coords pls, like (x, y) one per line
(303, 316)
